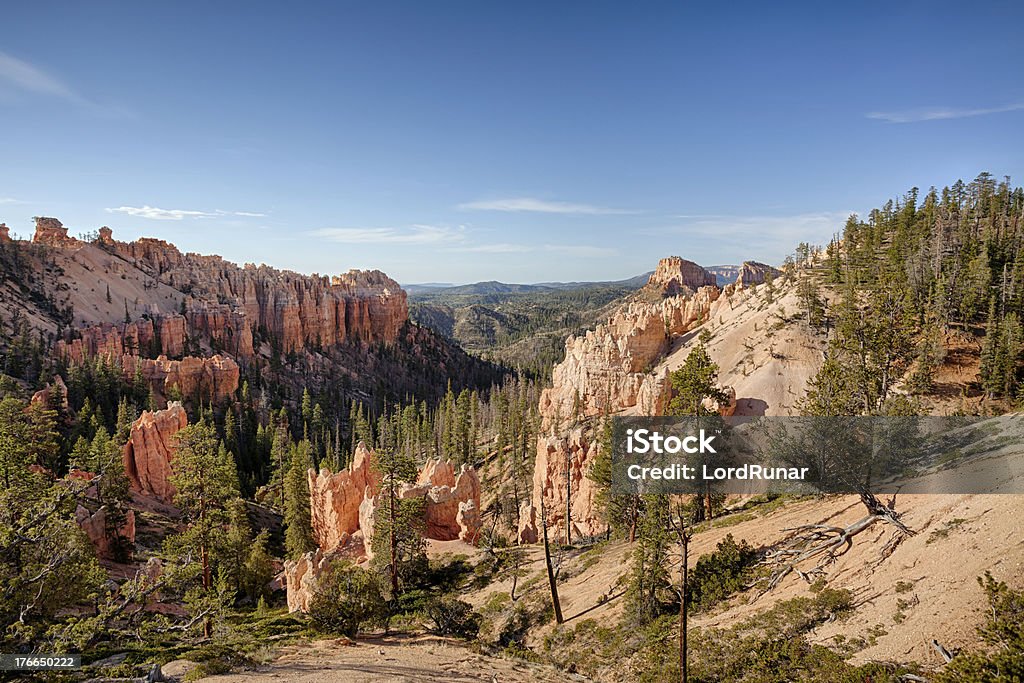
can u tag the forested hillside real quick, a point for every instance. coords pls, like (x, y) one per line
(519, 326)
(916, 279)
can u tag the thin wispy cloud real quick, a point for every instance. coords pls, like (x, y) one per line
(577, 250)
(19, 77)
(761, 237)
(413, 234)
(530, 204)
(157, 214)
(10, 200)
(499, 248)
(939, 113)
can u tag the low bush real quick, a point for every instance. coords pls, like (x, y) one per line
(347, 599)
(720, 574)
(453, 617)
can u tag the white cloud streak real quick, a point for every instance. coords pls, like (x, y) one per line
(763, 238)
(157, 214)
(577, 250)
(413, 234)
(939, 113)
(23, 76)
(530, 204)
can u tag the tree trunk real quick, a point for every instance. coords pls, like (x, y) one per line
(547, 562)
(393, 542)
(683, 593)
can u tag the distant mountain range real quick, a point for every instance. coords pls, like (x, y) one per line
(494, 287)
(724, 274)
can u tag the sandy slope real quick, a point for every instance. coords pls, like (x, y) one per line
(391, 659)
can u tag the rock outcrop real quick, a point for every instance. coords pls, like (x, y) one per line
(55, 392)
(210, 379)
(725, 407)
(452, 503)
(344, 507)
(297, 310)
(609, 368)
(334, 499)
(301, 577)
(52, 232)
(755, 273)
(345, 503)
(675, 275)
(5, 233)
(561, 470)
(94, 524)
(150, 451)
(213, 379)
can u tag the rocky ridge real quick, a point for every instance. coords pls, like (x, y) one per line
(618, 367)
(196, 296)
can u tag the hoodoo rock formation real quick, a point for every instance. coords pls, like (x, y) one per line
(297, 310)
(52, 232)
(94, 524)
(611, 369)
(608, 368)
(560, 471)
(334, 499)
(150, 451)
(186, 303)
(344, 506)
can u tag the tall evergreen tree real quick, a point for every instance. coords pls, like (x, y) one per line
(298, 527)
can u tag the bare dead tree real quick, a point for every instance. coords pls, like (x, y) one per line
(824, 544)
(547, 561)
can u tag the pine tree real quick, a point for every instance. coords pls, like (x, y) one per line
(46, 562)
(397, 542)
(298, 527)
(693, 382)
(648, 577)
(206, 482)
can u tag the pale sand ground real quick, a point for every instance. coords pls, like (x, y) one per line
(391, 659)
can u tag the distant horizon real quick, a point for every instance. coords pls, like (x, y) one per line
(28, 238)
(467, 142)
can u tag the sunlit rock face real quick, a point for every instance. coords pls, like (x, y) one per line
(149, 453)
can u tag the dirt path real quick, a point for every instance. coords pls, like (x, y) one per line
(422, 658)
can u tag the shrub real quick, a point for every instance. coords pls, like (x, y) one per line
(1004, 631)
(346, 599)
(720, 574)
(453, 617)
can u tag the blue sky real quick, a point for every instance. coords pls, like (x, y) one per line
(518, 141)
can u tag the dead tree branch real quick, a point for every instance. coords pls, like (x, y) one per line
(824, 544)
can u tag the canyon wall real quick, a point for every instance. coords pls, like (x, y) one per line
(298, 310)
(608, 370)
(223, 306)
